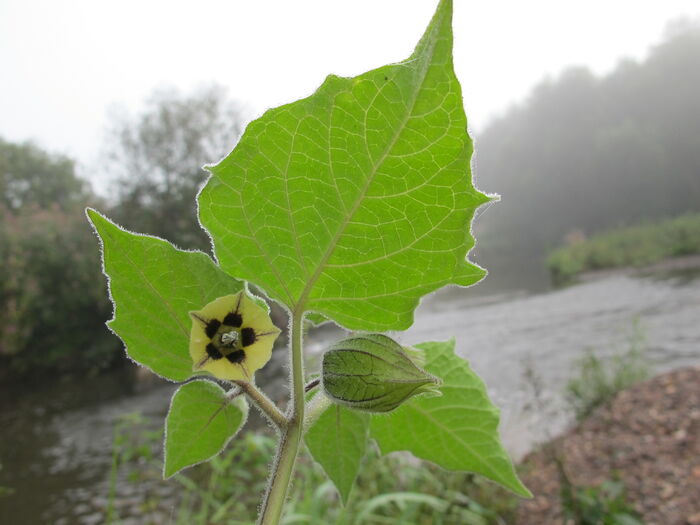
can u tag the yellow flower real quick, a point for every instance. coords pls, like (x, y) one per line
(231, 337)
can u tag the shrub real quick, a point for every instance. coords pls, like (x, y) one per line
(51, 293)
(634, 246)
(598, 380)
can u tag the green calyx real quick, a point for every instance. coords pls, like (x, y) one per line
(373, 373)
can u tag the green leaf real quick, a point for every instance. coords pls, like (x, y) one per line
(356, 201)
(372, 373)
(458, 431)
(153, 286)
(200, 422)
(338, 440)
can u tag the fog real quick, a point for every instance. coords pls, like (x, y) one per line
(585, 153)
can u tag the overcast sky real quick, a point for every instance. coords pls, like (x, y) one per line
(65, 63)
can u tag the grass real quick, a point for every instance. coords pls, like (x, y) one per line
(598, 380)
(395, 489)
(605, 504)
(635, 246)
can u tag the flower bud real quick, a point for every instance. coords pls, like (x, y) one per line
(373, 373)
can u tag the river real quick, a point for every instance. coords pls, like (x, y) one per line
(56, 440)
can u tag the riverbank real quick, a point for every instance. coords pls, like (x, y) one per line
(647, 438)
(58, 439)
(635, 247)
(643, 445)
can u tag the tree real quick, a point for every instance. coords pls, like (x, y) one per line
(51, 291)
(52, 294)
(31, 176)
(156, 160)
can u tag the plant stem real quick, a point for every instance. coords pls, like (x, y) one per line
(264, 403)
(317, 406)
(283, 467)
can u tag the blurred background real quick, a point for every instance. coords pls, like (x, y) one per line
(586, 121)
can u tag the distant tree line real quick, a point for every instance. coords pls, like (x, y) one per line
(51, 292)
(53, 299)
(584, 154)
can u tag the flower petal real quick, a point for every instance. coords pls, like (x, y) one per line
(253, 349)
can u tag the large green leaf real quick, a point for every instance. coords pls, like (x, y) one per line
(356, 201)
(338, 440)
(153, 286)
(200, 422)
(458, 431)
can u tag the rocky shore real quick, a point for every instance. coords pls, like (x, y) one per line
(648, 437)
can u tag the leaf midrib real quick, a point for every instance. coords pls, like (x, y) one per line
(300, 305)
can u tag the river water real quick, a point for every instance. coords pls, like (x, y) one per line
(56, 440)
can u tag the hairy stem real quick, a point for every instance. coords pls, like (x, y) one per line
(283, 467)
(264, 403)
(317, 406)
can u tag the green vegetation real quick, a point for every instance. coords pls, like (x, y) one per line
(51, 290)
(598, 380)
(394, 489)
(133, 441)
(634, 246)
(391, 489)
(348, 206)
(32, 178)
(52, 296)
(605, 504)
